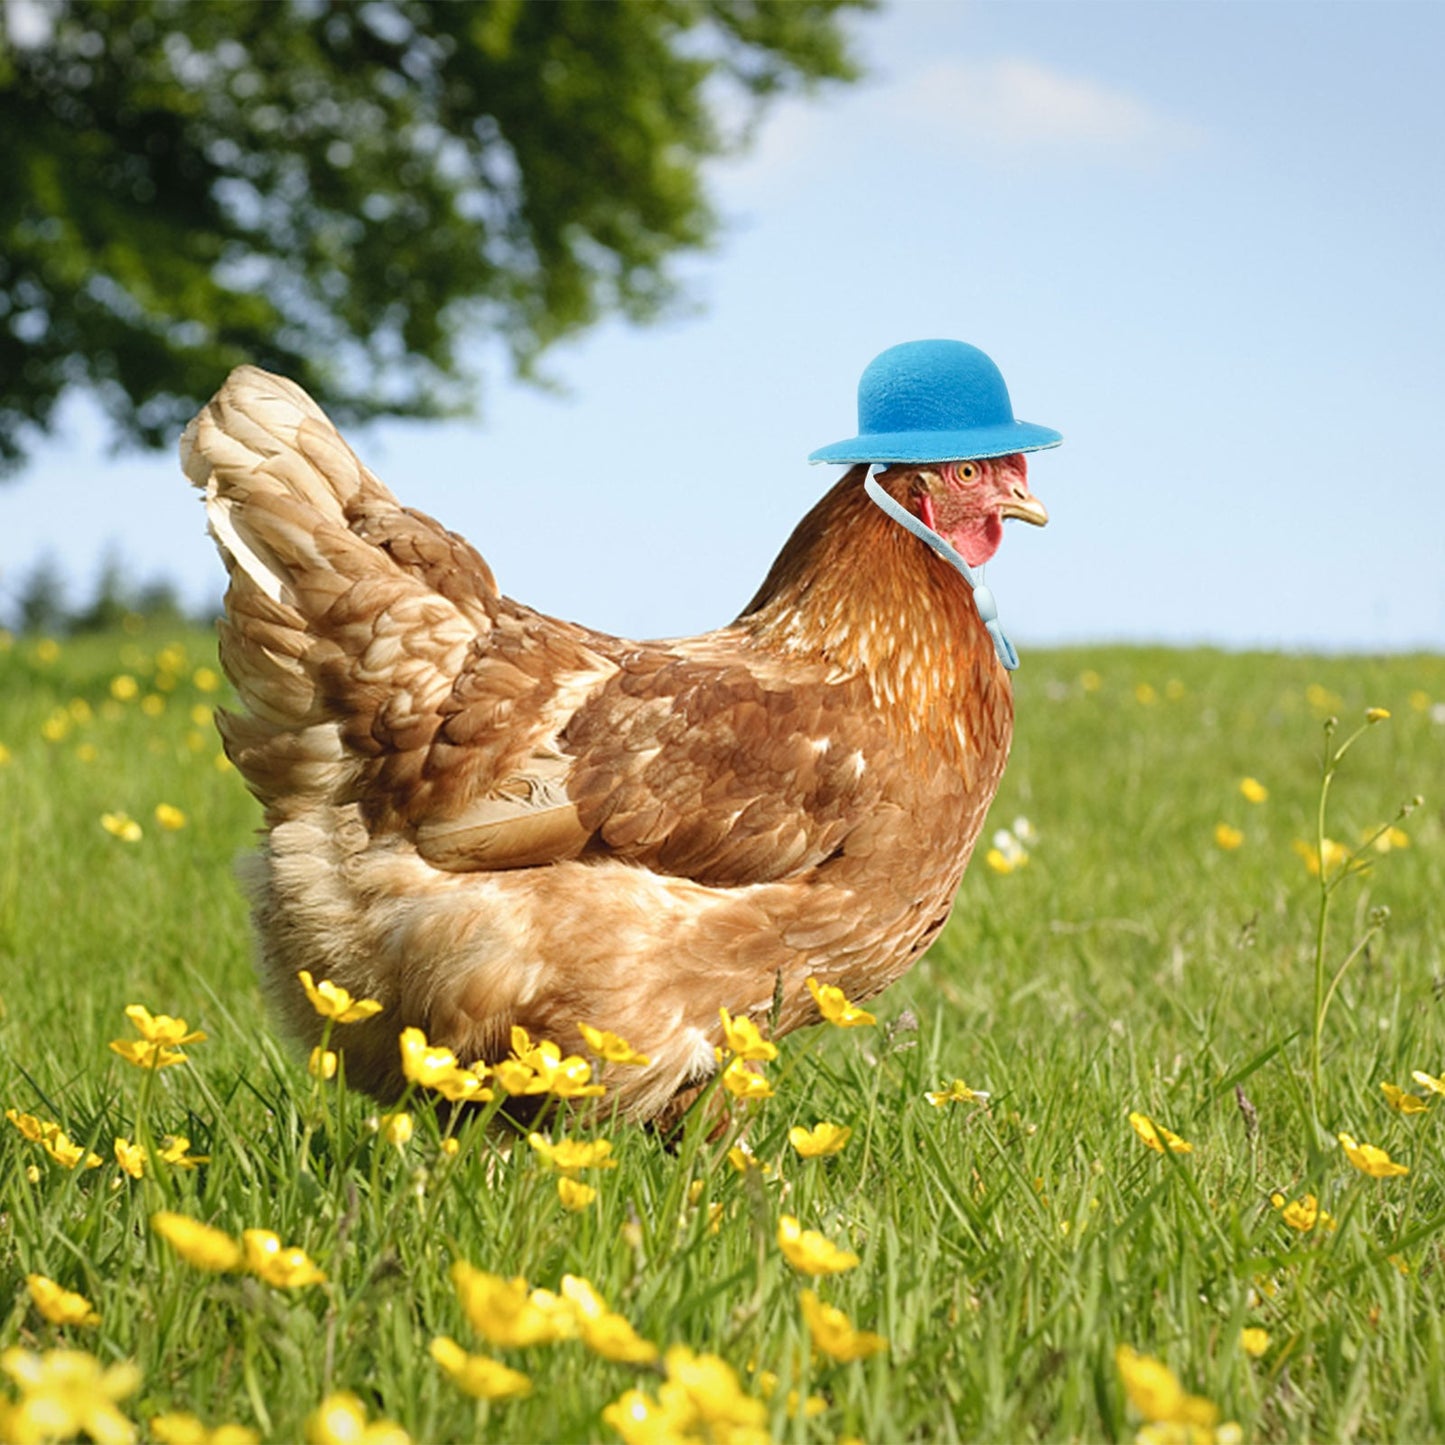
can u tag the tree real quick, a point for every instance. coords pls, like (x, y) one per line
(344, 191)
(40, 606)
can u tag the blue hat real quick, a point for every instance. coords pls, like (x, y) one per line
(935, 401)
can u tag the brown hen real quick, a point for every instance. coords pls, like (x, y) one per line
(483, 816)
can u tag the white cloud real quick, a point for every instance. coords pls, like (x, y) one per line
(1021, 105)
(1006, 111)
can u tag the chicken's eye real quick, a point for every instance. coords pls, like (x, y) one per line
(967, 472)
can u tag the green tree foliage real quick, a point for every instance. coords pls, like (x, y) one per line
(343, 192)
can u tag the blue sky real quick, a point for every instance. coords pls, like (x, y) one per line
(1204, 241)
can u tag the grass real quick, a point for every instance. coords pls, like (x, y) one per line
(1006, 1250)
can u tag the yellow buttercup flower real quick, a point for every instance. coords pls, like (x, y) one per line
(131, 1158)
(174, 1151)
(1006, 855)
(67, 1153)
(161, 1037)
(742, 1158)
(506, 1313)
(743, 1083)
(573, 1195)
(1436, 1086)
(122, 826)
(269, 1260)
(162, 1028)
(833, 1332)
(200, 1245)
(1376, 714)
(1227, 838)
(147, 1056)
(604, 1332)
(1402, 1102)
(1254, 1341)
(54, 1140)
(819, 1141)
(1155, 1392)
(476, 1375)
(181, 1428)
(396, 1128)
(541, 1069)
(1145, 693)
(1370, 1159)
(612, 1048)
(1172, 1415)
(1389, 840)
(68, 1393)
(571, 1079)
(124, 688)
(707, 1387)
(423, 1063)
(170, 817)
(743, 1040)
(810, 1252)
(572, 1156)
(340, 1419)
(205, 679)
(1156, 1136)
(59, 1305)
(321, 1063)
(701, 1398)
(434, 1067)
(35, 1130)
(1253, 790)
(333, 1002)
(1302, 1213)
(639, 1419)
(956, 1093)
(517, 1077)
(836, 1007)
(1335, 856)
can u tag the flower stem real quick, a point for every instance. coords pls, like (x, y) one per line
(1331, 761)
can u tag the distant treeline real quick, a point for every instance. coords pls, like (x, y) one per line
(39, 603)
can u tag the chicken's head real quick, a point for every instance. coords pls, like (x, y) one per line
(966, 502)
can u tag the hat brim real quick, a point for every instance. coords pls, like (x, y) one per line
(941, 446)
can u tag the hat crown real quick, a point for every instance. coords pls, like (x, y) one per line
(932, 386)
(935, 401)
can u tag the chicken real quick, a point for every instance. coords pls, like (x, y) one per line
(483, 816)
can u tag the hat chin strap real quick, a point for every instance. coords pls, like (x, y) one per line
(982, 597)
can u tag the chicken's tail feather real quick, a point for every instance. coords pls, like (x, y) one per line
(348, 617)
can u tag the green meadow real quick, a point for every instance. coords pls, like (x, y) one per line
(1158, 953)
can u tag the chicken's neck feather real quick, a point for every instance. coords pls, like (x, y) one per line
(852, 587)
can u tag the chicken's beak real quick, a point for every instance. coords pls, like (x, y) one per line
(1026, 507)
